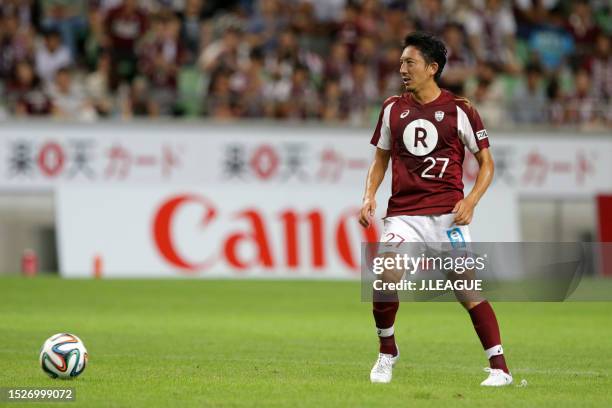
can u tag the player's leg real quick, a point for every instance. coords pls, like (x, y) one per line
(384, 308)
(481, 313)
(385, 303)
(486, 326)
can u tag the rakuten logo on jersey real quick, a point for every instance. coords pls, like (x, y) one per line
(420, 137)
(250, 237)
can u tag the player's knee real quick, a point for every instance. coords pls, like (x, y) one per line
(391, 274)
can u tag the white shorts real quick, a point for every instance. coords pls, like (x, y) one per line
(427, 229)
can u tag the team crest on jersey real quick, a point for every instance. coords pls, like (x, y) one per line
(439, 115)
(481, 134)
(405, 113)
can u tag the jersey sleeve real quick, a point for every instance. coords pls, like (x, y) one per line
(382, 134)
(470, 127)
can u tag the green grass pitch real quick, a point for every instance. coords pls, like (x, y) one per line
(200, 343)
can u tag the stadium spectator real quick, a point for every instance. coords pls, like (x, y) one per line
(97, 86)
(125, 25)
(223, 54)
(367, 52)
(362, 91)
(267, 22)
(249, 83)
(389, 83)
(556, 114)
(348, 30)
(95, 39)
(51, 56)
(301, 99)
(160, 57)
(256, 55)
(26, 11)
(460, 61)
(335, 103)
(491, 31)
(396, 23)
(369, 17)
(599, 66)
(529, 98)
(190, 29)
(549, 42)
(69, 99)
(25, 94)
(310, 33)
(337, 65)
(583, 107)
(135, 99)
(287, 54)
(582, 27)
(328, 10)
(531, 12)
(222, 102)
(430, 16)
(488, 93)
(16, 43)
(68, 17)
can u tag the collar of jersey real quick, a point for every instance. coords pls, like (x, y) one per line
(439, 99)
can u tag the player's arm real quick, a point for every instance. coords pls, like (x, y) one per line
(376, 174)
(464, 209)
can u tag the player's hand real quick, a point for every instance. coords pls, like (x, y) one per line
(368, 208)
(464, 210)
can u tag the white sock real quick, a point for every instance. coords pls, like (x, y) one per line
(494, 351)
(385, 332)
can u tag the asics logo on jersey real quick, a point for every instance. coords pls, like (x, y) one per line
(404, 114)
(420, 137)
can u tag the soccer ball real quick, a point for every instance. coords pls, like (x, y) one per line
(63, 355)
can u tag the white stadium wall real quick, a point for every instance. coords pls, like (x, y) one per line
(109, 180)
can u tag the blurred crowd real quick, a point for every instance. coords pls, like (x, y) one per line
(519, 62)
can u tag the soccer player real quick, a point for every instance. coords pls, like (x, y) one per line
(425, 131)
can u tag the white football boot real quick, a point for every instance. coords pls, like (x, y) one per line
(382, 372)
(496, 378)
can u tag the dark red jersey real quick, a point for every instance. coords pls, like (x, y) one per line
(427, 144)
(125, 28)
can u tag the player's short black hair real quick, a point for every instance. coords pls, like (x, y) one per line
(431, 47)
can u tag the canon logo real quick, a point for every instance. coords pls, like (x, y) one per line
(252, 227)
